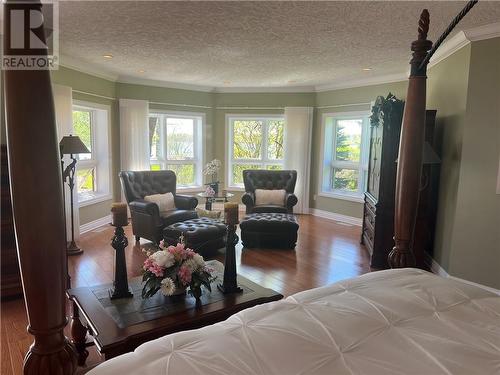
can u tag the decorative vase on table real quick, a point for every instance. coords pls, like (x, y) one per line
(175, 269)
(212, 169)
(179, 291)
(215, 187)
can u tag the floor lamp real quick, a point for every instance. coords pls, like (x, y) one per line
(71, 145)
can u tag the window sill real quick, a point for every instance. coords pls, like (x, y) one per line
(235, 188)
(347, 197)
(190, 189)
(91, 199)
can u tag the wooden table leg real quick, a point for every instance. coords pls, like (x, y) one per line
(78, 336)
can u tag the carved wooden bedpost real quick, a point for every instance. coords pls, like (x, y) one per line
(410, 152)
(35, 178)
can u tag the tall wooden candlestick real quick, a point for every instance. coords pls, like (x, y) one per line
(230, 282)
(119, 243)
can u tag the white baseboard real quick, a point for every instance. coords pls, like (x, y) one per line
(336, 217)
(87, 227)
(436, 268)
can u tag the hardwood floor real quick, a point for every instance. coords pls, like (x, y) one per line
(326, 252)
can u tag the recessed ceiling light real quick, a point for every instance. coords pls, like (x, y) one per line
(292, 81)
(366, 69)
(108, 56)
(227, 82)
(141, 71)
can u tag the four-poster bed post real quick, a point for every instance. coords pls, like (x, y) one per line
(412, 141)
(38, 210)
(410, 152)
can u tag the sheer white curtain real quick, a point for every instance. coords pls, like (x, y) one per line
(298, 134)
(134, 135)
(63, 103)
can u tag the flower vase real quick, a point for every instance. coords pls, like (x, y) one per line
(179, 291)
(215, 187)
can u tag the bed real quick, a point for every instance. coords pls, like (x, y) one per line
(403, 321)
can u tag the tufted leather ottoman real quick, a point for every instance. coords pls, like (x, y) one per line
(203, 235)
(269, 230)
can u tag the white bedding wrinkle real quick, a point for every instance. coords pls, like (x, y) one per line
(404, 321)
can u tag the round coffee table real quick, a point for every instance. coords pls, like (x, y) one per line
(209, 199)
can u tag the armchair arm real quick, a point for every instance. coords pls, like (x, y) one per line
(248, 200)
(290, 200)
(185, 202)
(144, 207)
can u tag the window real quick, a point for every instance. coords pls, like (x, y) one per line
(345, 155)
(175, 142)
(255, 142)
(90, 123)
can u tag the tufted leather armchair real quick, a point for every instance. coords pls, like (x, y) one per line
(146, 219)
(271, 180)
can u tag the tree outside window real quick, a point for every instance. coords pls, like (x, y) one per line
(254, 143)
(345, 154)
(175, 144)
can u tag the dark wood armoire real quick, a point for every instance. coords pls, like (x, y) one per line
(11, 277)
(378, 213)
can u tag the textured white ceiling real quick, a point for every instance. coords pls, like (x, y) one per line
(252, 44)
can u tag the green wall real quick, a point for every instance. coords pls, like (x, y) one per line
(468, 241)
(343, 100)
(476, 252)
(465, 88)
(447, 91)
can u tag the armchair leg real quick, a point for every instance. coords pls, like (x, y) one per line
(137, 238)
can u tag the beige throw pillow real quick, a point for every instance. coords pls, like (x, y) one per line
(275, 197)
(165, 202)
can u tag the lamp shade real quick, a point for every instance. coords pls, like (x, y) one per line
(72, 144)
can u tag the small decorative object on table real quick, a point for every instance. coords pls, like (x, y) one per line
(173, 269)
(212, 169)
(119, 243)
(230, 283)
(209, 191)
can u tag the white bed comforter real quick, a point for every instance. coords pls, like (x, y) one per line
(403, 321)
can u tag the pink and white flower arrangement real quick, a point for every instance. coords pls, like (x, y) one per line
(209, 191)
(175, 268)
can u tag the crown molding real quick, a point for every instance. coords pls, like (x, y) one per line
(165, 84)
(368, 81)
(489, 31)
(463, 38)
(75, 64)
(283, 89)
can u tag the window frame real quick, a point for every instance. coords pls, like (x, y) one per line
(329, 163)
(199, 120)
(264, 161)
(100, 152)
